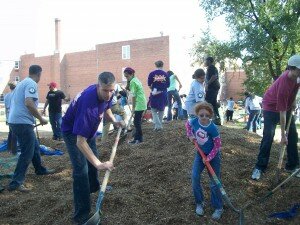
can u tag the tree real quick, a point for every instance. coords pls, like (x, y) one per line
(265, 33)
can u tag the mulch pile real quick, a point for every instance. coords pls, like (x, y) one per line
(152, 184)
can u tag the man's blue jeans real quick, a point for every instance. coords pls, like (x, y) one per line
(198, 167)
(30, 152)
(174, 94)
(55, 121)
(271, 119)
(85, 177)
(254, 114)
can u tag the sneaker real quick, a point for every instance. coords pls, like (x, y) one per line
(134, 142)
(45, 172)
(256, 174)
(199, 210)
(217, 214)
(20, 188)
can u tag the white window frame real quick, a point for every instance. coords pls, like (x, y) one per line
(17, 78)
(17, 65)
(1, 97)
(126, 52)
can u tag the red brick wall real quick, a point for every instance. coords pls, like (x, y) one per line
(51, 71)
(78, 71)
(234, 84)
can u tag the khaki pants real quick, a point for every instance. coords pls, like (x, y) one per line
(116, 109)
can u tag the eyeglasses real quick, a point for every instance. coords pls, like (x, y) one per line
(204, 116)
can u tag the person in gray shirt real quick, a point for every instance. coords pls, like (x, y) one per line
(21, 120)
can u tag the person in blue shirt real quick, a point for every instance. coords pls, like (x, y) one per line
(205, 132)
(11, 139)
(79, 127)
(21, 119)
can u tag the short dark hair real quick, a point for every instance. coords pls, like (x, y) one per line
(210, 59)
(159, 63)
(129, 70)
(35, 70)
(106, 78)
(198, 73)
(170, 73)
(291, 67)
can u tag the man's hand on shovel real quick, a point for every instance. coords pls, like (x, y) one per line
(106, 166)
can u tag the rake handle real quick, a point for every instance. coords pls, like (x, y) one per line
(281, 153)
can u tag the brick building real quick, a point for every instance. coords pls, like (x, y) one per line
(78, 70)
(232, 85)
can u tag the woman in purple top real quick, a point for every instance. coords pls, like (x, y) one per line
(79, 126)
(158, 82)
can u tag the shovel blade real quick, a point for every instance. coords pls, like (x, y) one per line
(94, 220)
(123, 138)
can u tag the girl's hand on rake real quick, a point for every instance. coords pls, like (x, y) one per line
(192, 139)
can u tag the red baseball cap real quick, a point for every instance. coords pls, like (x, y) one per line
(52, 85)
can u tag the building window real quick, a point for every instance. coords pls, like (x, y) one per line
(17, 65)
(1, 97)
(17, 78)
(126, 52)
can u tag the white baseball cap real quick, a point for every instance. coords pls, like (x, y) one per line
(294, 61)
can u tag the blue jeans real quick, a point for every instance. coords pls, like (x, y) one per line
(271, 119)
(55, 121)
(174, 94)
(198, 167)
(30, 152)
(85, 177)
(254, 114)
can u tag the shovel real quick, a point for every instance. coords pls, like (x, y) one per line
(219, 184)
(281, 153)
(95, 219)
(125, 134)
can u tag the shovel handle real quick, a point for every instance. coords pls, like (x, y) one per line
(112, 156)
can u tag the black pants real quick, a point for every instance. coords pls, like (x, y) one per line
(138, 135)
(229, 115)
(271, 119)
(211, 97)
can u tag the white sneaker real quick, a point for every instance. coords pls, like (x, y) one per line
(256, 174)
(217, 214)
(199, 210)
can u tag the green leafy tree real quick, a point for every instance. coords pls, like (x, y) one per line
(264, 34)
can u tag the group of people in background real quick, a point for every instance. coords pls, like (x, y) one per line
(79, 125)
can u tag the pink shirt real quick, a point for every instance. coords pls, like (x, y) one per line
(281, 95)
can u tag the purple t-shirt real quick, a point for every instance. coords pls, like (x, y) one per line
(281, 95)
(85, 113)
(160, 80)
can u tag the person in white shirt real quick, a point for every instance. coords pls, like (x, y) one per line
(230, 109)
(196, 93)
(253, 108)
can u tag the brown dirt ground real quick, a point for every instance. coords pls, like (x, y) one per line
(152, 185)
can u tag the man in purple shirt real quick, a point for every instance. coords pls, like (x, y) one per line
(278, 104)
(79, 127)
(158, 82)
